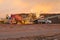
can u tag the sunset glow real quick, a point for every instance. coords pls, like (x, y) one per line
(24, 6)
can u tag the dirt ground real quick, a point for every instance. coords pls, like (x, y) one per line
(29, 32)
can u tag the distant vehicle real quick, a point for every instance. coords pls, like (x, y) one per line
(48, 20)
(42, 21)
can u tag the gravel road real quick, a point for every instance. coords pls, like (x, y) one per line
(17, 31)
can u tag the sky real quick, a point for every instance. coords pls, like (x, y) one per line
(29, 6)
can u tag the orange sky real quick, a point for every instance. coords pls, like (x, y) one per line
(34, 6)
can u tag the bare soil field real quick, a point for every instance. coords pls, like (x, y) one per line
(30, 32)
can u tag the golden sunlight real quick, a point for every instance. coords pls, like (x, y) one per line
(1, 1)
(41, 9)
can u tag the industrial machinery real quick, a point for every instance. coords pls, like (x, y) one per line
(22, 18)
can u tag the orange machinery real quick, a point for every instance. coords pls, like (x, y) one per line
(22, 18)
(16, 18)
